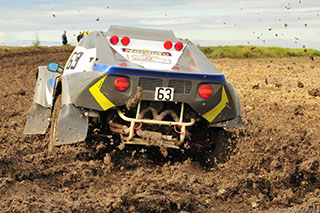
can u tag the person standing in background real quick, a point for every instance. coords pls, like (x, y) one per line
(79, 37)
(64, 38)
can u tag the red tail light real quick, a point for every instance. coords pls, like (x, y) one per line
(121, 84)
(167, 45)
(125, 40)
(205, 91)
(114, 39)
(178, 46)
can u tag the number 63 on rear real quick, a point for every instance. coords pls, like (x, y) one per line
(164, 94)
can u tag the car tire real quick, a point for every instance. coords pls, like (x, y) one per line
(221, 150)
(54, 122)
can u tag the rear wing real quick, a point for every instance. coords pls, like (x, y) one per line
(158, 73)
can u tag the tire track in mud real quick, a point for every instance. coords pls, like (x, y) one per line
(274, 164)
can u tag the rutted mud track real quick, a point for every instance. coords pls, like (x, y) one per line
(275, 163)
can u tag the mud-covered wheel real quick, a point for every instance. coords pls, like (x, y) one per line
(220, 150)
(54, 122)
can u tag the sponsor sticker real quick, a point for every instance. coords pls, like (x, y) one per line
(146, 52)
(149, 58)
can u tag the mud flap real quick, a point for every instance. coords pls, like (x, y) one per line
(230, 124)
(38, 119)
(72, 126)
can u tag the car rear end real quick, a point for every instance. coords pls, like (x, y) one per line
(151, 87)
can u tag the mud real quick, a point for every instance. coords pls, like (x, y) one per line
(274, 165)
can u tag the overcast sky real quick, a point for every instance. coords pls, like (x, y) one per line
(285, 23)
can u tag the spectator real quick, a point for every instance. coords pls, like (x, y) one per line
(64, 38)
(79, 37)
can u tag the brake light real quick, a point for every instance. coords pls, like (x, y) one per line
(178, 46)
(121, 84)
(205, 91)
(167, 45)
(125, 40)
(114, 39)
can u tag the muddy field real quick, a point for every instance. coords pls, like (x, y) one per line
(274, 165)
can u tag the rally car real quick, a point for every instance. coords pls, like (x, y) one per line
(144, 85)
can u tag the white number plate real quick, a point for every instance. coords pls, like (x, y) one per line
(164, 94)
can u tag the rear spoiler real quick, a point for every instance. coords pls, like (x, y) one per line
(158, 73)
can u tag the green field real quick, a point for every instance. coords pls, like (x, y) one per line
(210, 52)
(255, 52)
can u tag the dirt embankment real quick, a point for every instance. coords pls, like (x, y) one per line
(275, 163)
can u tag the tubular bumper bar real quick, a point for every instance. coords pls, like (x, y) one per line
(179, 123)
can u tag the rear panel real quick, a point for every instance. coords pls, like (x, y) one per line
(102, 95)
